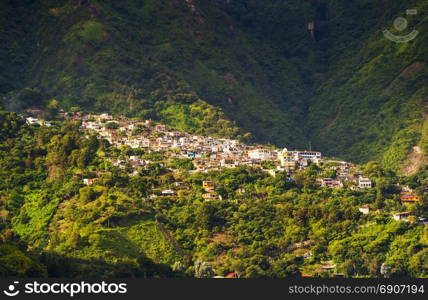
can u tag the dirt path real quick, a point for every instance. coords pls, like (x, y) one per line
(170, 238)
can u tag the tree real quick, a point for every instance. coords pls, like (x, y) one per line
(52, 108)
(84, 157)
(268, 165)
(348, 268)
(112, 125)
(205, 215)
(254, 272)
(179, 266)
(373, 169)
(75, 109)
(286, 267)
(203, 270)
(14, 202)
(93, 143)
(182, 164)
(4, 215)
(379, 198)
(86, 195)
(418, 263)
(329, 173)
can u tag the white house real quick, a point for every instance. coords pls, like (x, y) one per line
(168, 193)
(364, 209)
(310, 155)
(89, 181)
(402, 216)
(364, 183)
(31, 121)
(106, 116)
(260, 154)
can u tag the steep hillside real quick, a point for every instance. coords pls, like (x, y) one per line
(126, 223)
(367, 93)
(376, 94)
(214, 66)
(159, 59)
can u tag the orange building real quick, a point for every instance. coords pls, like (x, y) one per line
(407, 197)
(208, 186)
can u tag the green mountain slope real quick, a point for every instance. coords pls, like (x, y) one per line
(213, 66)
(376, 95)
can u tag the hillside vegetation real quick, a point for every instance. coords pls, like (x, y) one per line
(52, 224)
(229, 68)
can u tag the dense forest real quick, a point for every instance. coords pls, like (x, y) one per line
(252, 66)
(263, 227)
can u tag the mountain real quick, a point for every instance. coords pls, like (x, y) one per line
(236, 68)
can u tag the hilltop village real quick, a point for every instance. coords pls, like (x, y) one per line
(206, 153)
(182, 199)
(209, 154)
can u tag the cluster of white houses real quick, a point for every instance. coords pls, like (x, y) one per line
(207, 153)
